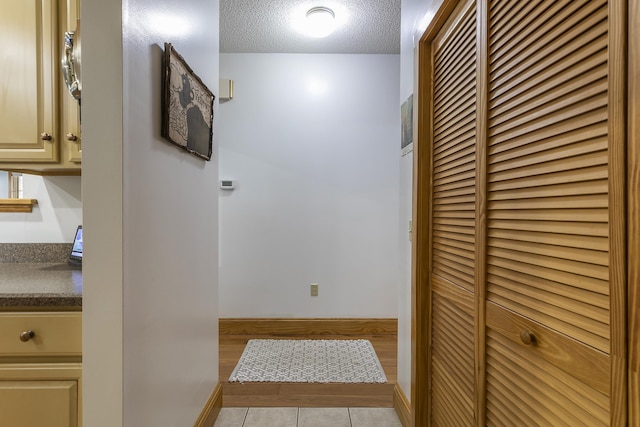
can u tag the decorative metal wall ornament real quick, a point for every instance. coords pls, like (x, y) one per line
(187, 106)
(406, 117)
(71, 62)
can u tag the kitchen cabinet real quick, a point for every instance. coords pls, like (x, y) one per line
(39, 124)
(71, 135)
(41, 369)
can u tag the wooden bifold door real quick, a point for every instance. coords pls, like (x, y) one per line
(523, 108)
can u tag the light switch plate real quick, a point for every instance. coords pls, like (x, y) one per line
(314, 289)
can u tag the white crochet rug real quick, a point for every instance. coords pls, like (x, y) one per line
(309, 361)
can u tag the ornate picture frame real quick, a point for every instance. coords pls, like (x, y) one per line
(406, 118)
(187, 106)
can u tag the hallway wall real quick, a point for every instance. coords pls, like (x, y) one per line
(150, 317)
(416, 16)
(53, 220)
(312, 142)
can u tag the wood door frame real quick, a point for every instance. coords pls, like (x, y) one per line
(618, 231)
(421, 244)
(633, 212)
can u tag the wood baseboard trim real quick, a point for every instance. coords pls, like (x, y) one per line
(334, 326)
(211, 408)
(401, 405)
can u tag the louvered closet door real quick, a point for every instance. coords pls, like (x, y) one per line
(453, 226)
(549, 265)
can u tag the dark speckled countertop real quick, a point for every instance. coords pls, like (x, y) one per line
(36, 275)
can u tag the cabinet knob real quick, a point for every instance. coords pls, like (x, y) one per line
(71, 137)
(27, 335)
(45, 136)
(527, 337)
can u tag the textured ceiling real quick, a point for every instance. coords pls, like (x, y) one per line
(268, 26)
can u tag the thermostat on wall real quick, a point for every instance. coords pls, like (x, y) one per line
(226, 184)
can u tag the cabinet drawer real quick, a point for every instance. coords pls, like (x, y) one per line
(53, 334)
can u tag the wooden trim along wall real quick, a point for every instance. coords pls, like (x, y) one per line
(334, 326)
(482, 160)
(402, 406)
(420, 298)
(617, 207)
(17, 205)
(633, 212)
(211, 408)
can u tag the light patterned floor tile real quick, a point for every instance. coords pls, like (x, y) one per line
(231, 417)
(271, 417)
(378, 417)
(324, 417)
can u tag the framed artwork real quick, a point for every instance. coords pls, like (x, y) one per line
(187, 106)
(406, 120)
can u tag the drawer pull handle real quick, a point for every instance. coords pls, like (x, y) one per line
(27, 335)
(527, 337)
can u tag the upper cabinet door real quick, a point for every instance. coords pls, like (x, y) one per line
(70, 119)
(29, 82)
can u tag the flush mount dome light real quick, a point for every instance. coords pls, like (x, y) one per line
(320, 21)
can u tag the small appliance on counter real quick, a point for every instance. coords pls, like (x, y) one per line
(75, 257)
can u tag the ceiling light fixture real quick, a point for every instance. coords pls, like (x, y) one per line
(320, 21)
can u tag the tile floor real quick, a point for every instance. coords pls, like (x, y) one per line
(308, 417)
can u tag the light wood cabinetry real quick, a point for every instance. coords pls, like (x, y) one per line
(35, 395)
(41, 369)
(70, 134)
(37, 111)
(523, 151)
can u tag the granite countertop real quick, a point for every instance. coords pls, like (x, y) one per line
(39, 285)
(40, 282)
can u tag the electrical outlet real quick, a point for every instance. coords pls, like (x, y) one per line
(314, 289)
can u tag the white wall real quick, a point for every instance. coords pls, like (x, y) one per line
(150, 302)
(53, 220)
(416, 16)
(102, 180)
(312, 142)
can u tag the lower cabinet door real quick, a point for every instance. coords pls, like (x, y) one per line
(39, 395)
